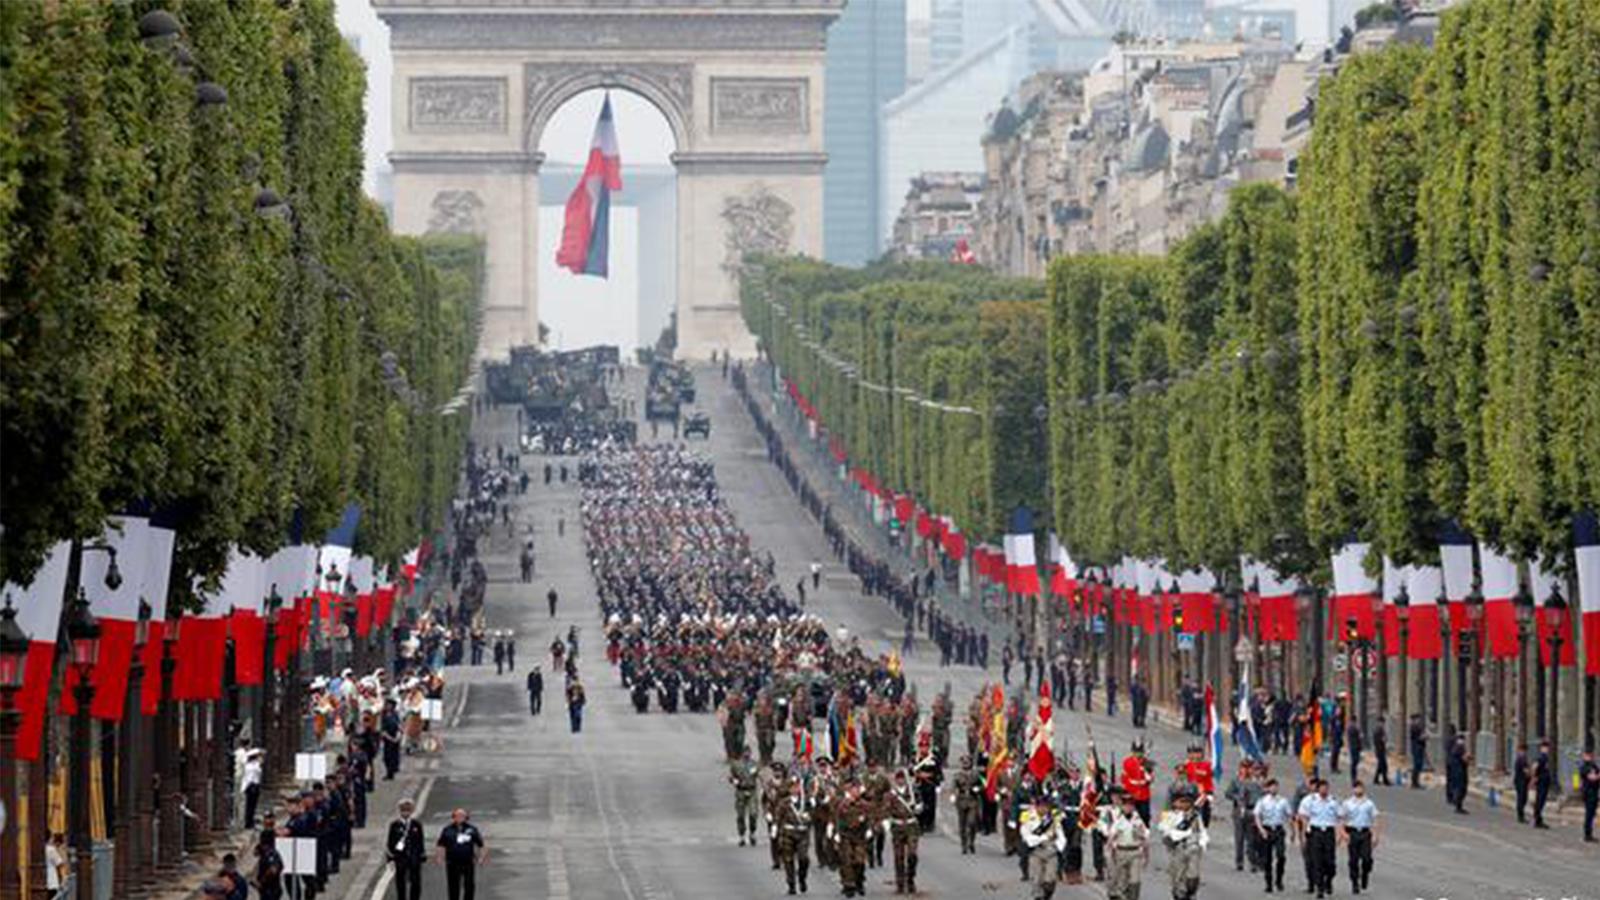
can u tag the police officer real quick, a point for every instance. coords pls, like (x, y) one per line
(1359, 817)
(745, 778)
(461, 848)
(1589, 786)
(1318, 817)
(1272, 816)
(1544, 778)
(406, 850)
(967, 791)
(1521, 778)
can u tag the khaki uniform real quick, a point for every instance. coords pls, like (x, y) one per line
(824, 794)
(853, 829)
(1184, 834)
(904, 832)
(1040, 830)
(1128, 848)
(766, 731)
(791, 825)
(746, 781)
(968, 792)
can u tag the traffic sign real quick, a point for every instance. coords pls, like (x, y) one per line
(1366, 660)
(1185, 641)
(1340, 662)
(1244, 650)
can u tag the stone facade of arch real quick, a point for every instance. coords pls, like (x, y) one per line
(740, 85)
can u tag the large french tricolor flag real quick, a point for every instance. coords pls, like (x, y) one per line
(38, 608)
(1022, 565)
(1586, 550)
(1355, 594)
(588, 218)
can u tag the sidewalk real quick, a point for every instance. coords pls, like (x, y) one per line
(367, 861)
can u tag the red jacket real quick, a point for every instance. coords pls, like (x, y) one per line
(1136, 778)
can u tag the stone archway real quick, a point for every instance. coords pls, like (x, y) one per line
(739, 82)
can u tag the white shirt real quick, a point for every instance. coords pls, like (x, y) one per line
(53, 861)
(252, 772)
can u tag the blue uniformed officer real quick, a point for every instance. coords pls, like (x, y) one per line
(1359, 816)
(461, 848)
(406, 850)
(1318, 817)
(1272, 818)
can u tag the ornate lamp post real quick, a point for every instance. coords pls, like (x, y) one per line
(13, 663)
(83, 637)
(1557, 609)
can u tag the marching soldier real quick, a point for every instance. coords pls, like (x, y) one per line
(967, 791)
(774, 793)
(1183, 830)
(745, 778)
(852, 829)
(732, 715)
(791, 825)
(904, 808)
(1318, 818)
(1244, 791)
(1136, 778)
(766, 728)
(824, 791)
(928, 774)
(1040, 829)
(941, 728)
(1127, 846)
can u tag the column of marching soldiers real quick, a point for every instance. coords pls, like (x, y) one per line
(692, 611)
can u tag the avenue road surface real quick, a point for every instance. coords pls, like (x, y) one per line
(637, 807)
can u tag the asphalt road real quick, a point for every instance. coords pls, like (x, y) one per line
(638, 808)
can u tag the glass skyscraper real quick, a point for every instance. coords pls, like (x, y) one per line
(866, 69)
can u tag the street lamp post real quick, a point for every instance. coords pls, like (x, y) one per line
(83, 636)
(13, 664)
(1557, 605)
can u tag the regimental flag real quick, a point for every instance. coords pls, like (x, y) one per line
(38, 608)
(409, 565)
(1248, 745)
(803, 746)
(1424, 587)
(1213, 731)
(1586, 553)
(1311, 737)
(1041, 754)
(999, 747)
(963, 253)
(1499, 602)
(1455, 557)
(585, 237)
(1552, 615)
(1022, 566)
(1355, 593)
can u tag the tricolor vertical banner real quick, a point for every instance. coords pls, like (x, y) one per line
(1394, 584)
(1424, 587)
(1552, 619)
(158, 581)
(1022, 565)
(1499, 602)
(1354, 594)
(586, 234)
(1586, 552)
(245, 588)
(38, 608)
(1455, 560)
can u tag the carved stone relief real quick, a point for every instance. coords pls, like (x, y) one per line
(466, 31)
(458, 104)
(760, 105)
(456, 212)
(758, 222)
(668, 85)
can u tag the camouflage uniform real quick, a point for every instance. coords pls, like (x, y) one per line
(853, 829)
(745, 778)
(904, 831)
(791, 824)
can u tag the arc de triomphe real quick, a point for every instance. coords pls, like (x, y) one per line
(739, 82)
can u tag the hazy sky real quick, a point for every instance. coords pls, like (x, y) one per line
(643, 135)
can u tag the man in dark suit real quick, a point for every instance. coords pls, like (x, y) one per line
(406, 851)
